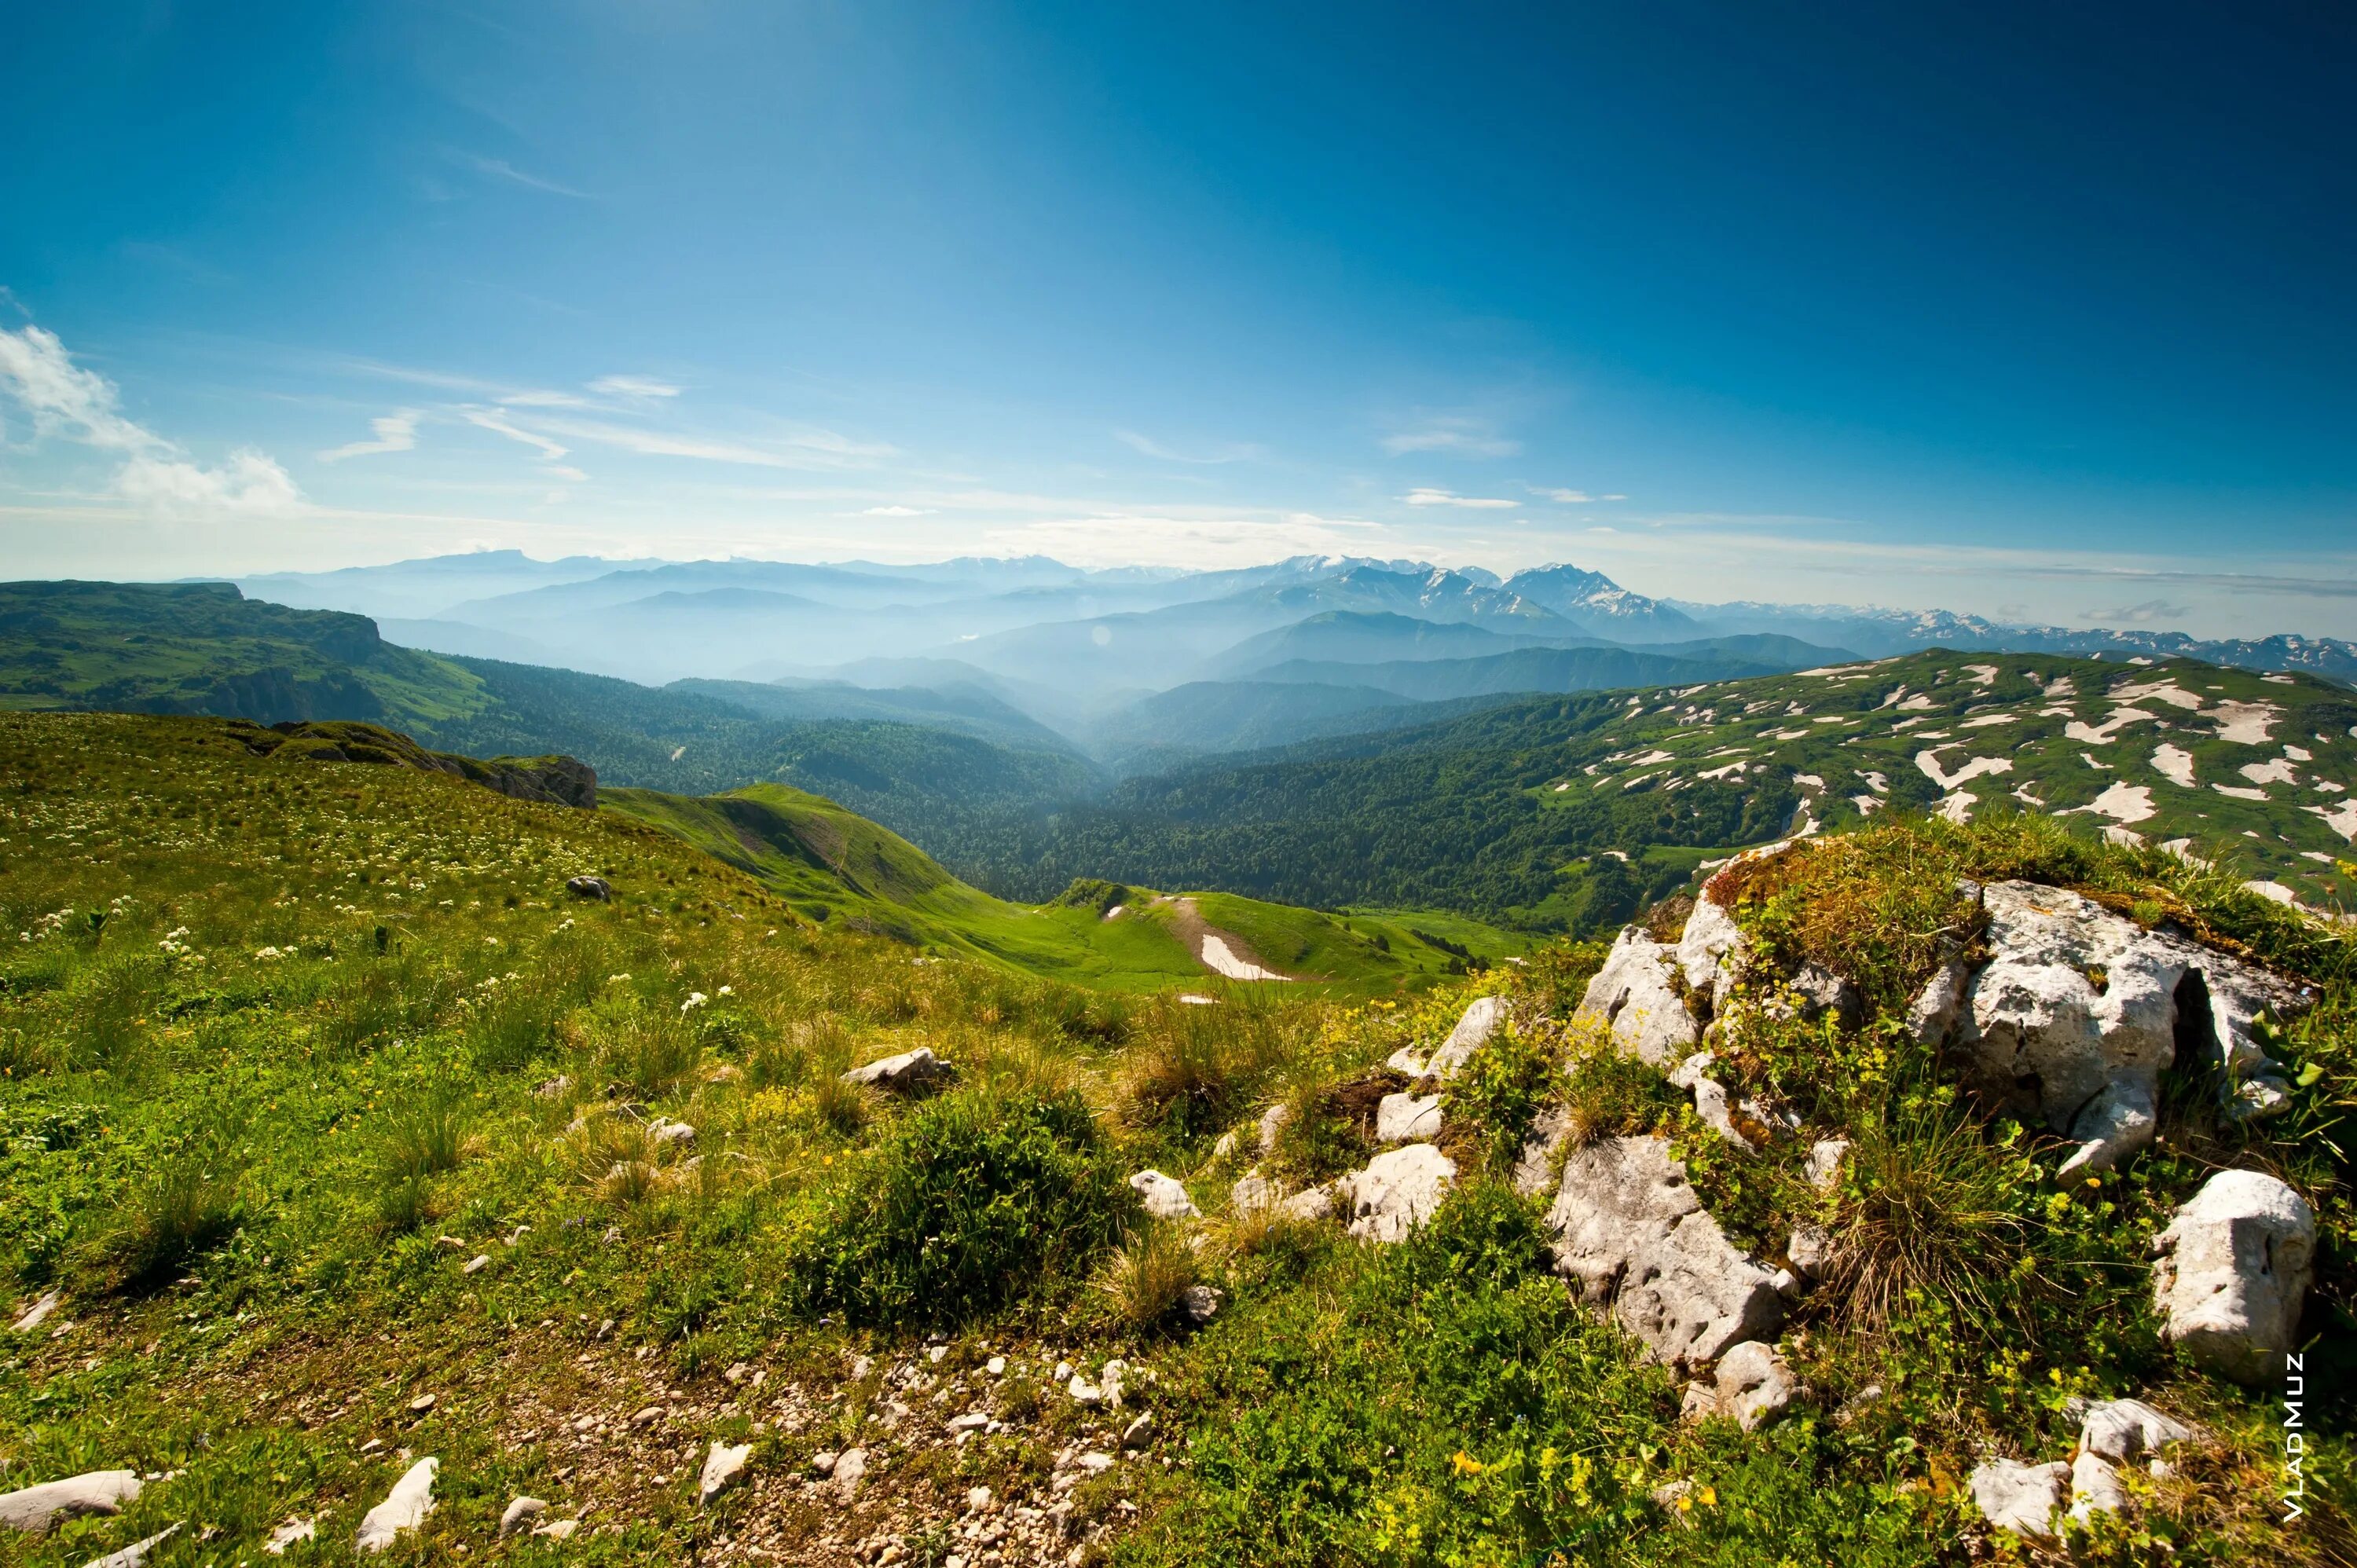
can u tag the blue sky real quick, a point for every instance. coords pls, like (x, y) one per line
(2036, 311)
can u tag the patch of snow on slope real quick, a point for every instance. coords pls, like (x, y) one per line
(2175, 764)
(2120, 802)
(2246, 722)
(2162, 691)
(1220, 958)
(2341, 819)
(2275, 770)
(1928, 761)
(2102, 734)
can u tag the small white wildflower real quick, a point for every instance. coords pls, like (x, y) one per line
(728, 991)
(694, 999)
(616, 979)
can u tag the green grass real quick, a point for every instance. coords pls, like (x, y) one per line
(342, 1032)
(835, 866)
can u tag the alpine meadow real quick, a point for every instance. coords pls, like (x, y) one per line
(1020, 785)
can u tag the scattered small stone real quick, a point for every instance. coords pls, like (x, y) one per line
(595, 888)
(1140, 1432)
(37, 1314)
(936, 1353)
(557, 1529)
(1199, 1303)
(1116, 1372)
(670, 1134)
(646, 1415)
(995, 1366)
(848, 1470)
(1752, 1386)
(1473, 1030)
(907, 1073)
(404, 1509)
(452, 1243)
(822, 1463)
(35, 1508)
(136, 1554)
(1096, 1464)
(289, 1533)
(522, 1514)
(721, 1466)
(1063, 1370)
(1825, 1161)
(1810, 1251)
(554, 1088)
(1085, 1392)
(478, 1264)
(971, 1421)
(977, 1498)
(1397, 1191)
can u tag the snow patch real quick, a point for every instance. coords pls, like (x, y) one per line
(2175, 764)
(2275, 770)
(2341, 819)
(2163, 691)
(2122, 802)
(1957, 808)
(2246, 722)
(2238, 793)
(1928, 761)
(1220, 958)
(1982, 674)
(2101, 735)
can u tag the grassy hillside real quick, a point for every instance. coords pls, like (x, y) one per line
(339, 1132)
(836, 866)
(1571, 813)
(200, 648)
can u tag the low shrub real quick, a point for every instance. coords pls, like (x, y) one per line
(969, 1201)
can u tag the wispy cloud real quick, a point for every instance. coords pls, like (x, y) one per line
(1238, 453)
(1457, 434)
(395, 432)
(800, 446)
(633, 386)
(1424, 496)
(498, 423)
(1569, 498)
(499, 168)
(896, 512)
(1167, 538)
(68, 402)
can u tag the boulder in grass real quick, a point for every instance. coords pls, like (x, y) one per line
(592, 887)
(722, 1466)
(1165, 1196)
(1751, 1386)
(34, 1510)
(1472, 1032)
(404, 1509)
(1407, 1119)
(1631, 1230)
(136, 1554)
(1397, 1192)
(522, 1515)
(2231, 1272)
(910, 1072)
(2129, 1429)
(2021, 1498)
(1636, 997)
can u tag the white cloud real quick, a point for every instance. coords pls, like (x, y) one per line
(1239, 453)
(64, 399)
(896, 512)
(565, 471)
(76, 404)
(396, 432)
(1422, 496)
(1568, 498)
(249, 485)
(1460, 436)
(633, 386)
(1178, 539)
(802, 446)
(499, 168)
(499, 425)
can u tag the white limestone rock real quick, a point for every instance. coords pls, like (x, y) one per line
(2077, 1001)
(1633, 996)
(910, 1072)
(1711, 951)
(1309, 1204)
(722, 1465)
(1932, 1016)
(32, 1316)
(1480, 1020)
(34, 1510)
(2096, 1487)
(849, 1469)
(1752, 1386)
(404, 1509)
(2122, 1430)
(1253, 1192)
(1165, 1196)
(1633, 1234)
(1826, 1157)
(1407, 1119)
(2122, 1118)
(1810, 1251)
(1398, 1191)
(2021, 1498)
(520, 1515)
(2231, 1272)
(136, 1554)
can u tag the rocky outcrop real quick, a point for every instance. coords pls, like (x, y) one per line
(136, 1554)
(557, 779)
(34, 1510)
(1397, 1192)
(2021, 1498)
(1637, 996)
(2079, 1010)
(1711, 951)
(1631, 1230)
(910, 1072)
(595, 888)
(2231, 1272)
(1165, 1196)
(2123, 1430)
(1481, 1020)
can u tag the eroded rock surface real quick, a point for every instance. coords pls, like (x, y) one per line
(1631, 1231)
(1398, 1191)
(2021, 1498)
(2231, 1272)
(910, 1072)
(2079, 1010)
(1635, 996)
(35, 1509)
(1753, 1385)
